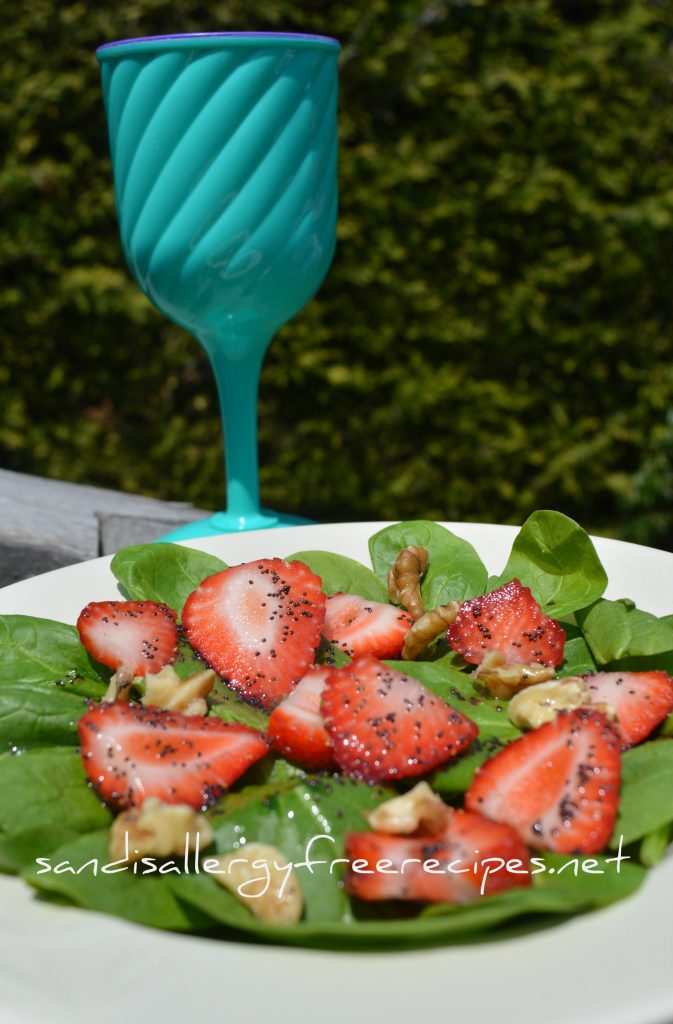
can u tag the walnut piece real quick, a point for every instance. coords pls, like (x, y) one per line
(262, 879)
(404, 580)
(536, 705)
(427, 628)
(504, 680)
(418, 810)
(119, 687)
(166, 690)
(157, 829)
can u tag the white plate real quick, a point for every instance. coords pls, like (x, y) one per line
(613, 966)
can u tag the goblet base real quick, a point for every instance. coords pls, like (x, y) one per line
(228, 522)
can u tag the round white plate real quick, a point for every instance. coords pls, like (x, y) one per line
(59, 964)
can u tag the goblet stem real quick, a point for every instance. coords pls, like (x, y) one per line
(237, 369)
(237, 364)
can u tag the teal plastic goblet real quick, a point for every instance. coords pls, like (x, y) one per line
(224, 153)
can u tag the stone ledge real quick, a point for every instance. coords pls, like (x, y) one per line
(45, 524)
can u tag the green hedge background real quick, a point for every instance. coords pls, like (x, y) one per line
(496, 331)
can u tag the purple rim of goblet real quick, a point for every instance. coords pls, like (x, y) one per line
(298, 36)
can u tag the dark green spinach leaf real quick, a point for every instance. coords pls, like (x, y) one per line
(343, 575)
(455, 571)
(163, 572)
(556, 558)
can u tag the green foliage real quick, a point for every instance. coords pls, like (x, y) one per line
(455, 571)
(494, 335)
(166, 573)
(44, 801)
(646, 797)
(341, 575)
(614, 631)
(556, 558)
(45, 678)
(145, 900)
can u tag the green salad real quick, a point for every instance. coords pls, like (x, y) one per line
(54, 827)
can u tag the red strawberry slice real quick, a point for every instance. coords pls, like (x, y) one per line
(470, 857)
(296, 727)
(131, 752)
(358, 626)
(384, 724)
(558, 785)
(642, 700)
(510, 621)
(258, 625)
(141, 636)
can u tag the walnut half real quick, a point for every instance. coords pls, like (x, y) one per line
(536, 705)
(404, 579)
(157, 829)
(262, 879)
(428, 628)
(167, 691)
(503, 679)
(420, 808)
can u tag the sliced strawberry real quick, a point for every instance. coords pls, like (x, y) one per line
(141, 636)
(642, 700)
(384, 724)
(358, 626)
(476, 857)
(296, 727)
(510, 621)
(258, 625)
(558, 785)
(130, 753)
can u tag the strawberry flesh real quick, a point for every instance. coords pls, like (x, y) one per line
(393, 867)
(510, 621)
(296, 727)
(558, 785)
(141, 636)
(642, 700)
(257, 625)
(131, 752)
(386, 725)
(359, 626)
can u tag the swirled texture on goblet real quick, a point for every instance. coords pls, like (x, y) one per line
(225, 177)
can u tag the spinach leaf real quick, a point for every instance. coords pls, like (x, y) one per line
(163, 572)
(343, 575)
(597, 880)
(571, 883)
(577, 658)
(146, 899)
(39, 650)
(455, 571)
(653, 846)
(646, 800)
(567, 891)
(614, 631)
(188, 662)
(229, 707)
(45, 674)
(649, 663)
(288, 815)
(44, 801)
(40, 714)
(556, 558)
(330, 654)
